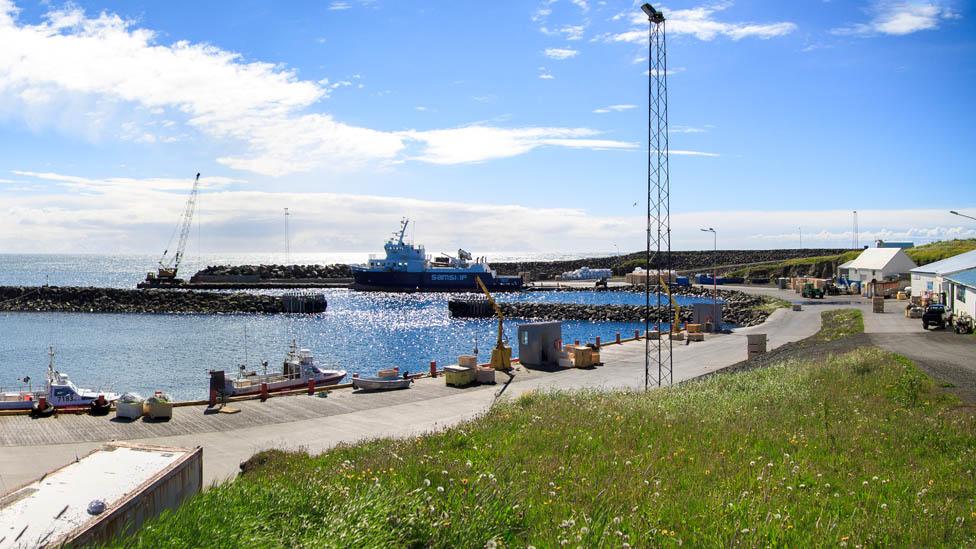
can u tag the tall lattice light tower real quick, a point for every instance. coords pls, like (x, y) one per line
(658, 360)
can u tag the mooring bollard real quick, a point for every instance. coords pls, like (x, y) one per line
(213, 398)
(311, 386)
(618, 337)
(264, 392)
(636, 334)
(433, 368)
(597, 342)
(576, 343)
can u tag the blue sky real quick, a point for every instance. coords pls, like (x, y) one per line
(498, 126)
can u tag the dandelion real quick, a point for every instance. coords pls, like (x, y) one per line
(617, 520)
(744, 531)
(426, 482)
(440, 488)
(491, 544)
(874, 478)
(865, 483)
(884, 505)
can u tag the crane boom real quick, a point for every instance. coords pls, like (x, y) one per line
(165, 275)
(501, 355)
(186, 221)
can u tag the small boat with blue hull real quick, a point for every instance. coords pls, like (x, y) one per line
(408, 268)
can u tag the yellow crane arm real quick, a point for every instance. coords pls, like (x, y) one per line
(491, 300)
(674, 304)
(498, 310)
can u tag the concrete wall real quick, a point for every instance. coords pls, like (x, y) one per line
(167, 491)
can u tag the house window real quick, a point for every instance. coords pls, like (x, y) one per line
(928, 286)
(961, 293)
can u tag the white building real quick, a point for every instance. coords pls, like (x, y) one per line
(879, 264)
(961, 292)
(929, 280)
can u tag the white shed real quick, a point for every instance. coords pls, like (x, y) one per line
(961, 292)
(929, 280)
(880, 264)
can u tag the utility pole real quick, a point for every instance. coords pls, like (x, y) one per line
(287, 239)
(714, 277)
(801, 237)
(657, 352)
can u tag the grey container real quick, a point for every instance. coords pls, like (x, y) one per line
(702, 313)
(539, 343)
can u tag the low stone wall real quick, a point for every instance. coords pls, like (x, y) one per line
(253, 273)
(740, 309)
(113, 300)
(680, 261)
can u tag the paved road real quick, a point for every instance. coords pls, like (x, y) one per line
(948, 357)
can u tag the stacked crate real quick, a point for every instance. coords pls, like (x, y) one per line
(756, 344)
(878, 303)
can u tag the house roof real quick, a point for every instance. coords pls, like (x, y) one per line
(845, 265)
(878, 258)
(952, 264)
(966, 278)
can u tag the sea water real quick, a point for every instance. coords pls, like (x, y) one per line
(360, 332)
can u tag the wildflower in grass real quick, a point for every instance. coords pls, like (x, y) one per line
(440, 489)
(744, 531)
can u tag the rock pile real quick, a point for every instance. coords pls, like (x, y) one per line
(681, 261)
(740, 309)
(113, 300)
(280, 272)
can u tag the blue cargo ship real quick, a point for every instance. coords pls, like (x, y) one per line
(407, 268)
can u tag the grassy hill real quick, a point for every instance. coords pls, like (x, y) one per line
(936, 251)
(857, 449)
(826, 265)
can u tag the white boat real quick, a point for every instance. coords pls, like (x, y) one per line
(59, 390)
(381, 383)
(297, 371)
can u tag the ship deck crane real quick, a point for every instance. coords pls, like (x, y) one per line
(501, 355)
(169, 265)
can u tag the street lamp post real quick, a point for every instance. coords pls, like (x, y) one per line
(714, 277)
(953, 212)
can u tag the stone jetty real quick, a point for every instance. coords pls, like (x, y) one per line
(277, 272)
(115, 300)
(740, 309)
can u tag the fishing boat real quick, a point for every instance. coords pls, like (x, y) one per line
(59, 392)
(408, 268)
(298, 370)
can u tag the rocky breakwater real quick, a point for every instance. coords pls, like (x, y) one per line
(276, 272)
(113, 300)
(739, 308)
(680, 260)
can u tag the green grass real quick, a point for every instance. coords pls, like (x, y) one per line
(770, 304)
(840, 323)
(926, 253)
(937, 251)
(859, 449)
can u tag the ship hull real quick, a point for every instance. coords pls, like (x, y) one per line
(285, 385)
(432, 281)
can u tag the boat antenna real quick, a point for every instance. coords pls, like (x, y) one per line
(245, 346)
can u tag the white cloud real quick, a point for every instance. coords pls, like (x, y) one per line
(573, 32)
(614, 108)
(479, 143)
(900, 18)
(126, 215)
(581, 4)
(700, 22)
(103, 76)
(545, 74)
(560, 53)
(669, 72)
(336, 6)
